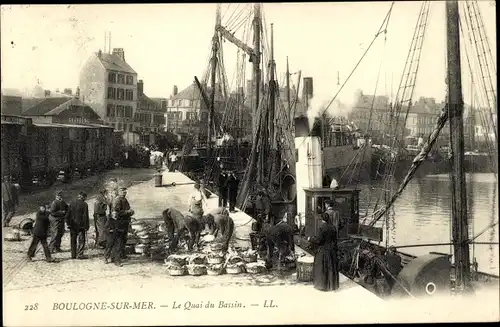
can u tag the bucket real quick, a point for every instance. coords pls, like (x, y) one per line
(158, 180)
(305, 269)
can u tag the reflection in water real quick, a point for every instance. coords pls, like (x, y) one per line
(423, 215)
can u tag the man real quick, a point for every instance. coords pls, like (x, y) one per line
(78, 222)
(333, 216)
(10, 199)
(222, 188)
(173, 160)
(262, 209)
(197, 202)
(177, 224)
(220, 221)
(281, 237)
(58, 209)
(232, 187)
(100, 216)
(39, 233)
(122, 214)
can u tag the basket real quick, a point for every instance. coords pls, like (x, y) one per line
(214, 270)
(181, 260)
(215, 260)
(255, 268)
(197, 270)
(176, 271)
(216, 246)
(233, 269)
(305, 269)
(249, 258)
(140, 248)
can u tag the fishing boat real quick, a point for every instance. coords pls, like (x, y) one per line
(387, 270)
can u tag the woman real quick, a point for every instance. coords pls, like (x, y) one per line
(197, 202)
(326, 268)
(100, 217)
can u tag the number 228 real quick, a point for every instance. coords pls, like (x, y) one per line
(31, 307)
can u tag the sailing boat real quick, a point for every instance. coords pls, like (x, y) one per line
(361, 257)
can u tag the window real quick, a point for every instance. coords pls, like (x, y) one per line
(121, 94)
(130, 128)
(110, 112)
(112, 77)
(119, 111)
(128, 111)
(204, 116)
(130, 80)
(111, 93)
(121, 79)
(129, 95)
(191, 115)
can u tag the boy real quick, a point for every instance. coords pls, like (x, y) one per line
(39, 232)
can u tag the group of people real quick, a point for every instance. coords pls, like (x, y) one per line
(192, 225)
(228, 185)
(112, 215)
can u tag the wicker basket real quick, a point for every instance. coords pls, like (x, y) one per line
(233, 269)
(254, 268)
(305, 269)
(197, 270)
(215, 270)
(141, 248)
(249, 258)
(176, 271)
(215, 260)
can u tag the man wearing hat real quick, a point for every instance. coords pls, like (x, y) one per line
(58, 209)
(78, 222)
(119, 225)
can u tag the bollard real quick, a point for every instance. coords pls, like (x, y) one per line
(158, 180)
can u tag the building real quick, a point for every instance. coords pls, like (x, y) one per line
(62, 110)
(149, 119)
(187, 113)
(109, 84)
(11, 105)
(364, 118)
(423, 116)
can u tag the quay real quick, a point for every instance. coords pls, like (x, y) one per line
(76, 283)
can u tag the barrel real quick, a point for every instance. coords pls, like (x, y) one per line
(305, 269)
(158, 180)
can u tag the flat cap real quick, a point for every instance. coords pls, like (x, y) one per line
(59, 192)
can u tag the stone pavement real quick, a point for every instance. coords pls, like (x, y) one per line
(143, 280)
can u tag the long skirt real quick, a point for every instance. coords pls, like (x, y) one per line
(326, 269)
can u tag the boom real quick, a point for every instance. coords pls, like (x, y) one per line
(231, 38)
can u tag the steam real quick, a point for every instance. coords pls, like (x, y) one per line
(337, 109)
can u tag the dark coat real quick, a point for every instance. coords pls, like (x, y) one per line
(232, 186)
(177, 224)
(101, 206)
(279, 236)
(326, 266)
(77, 217)
(41, 228)
(58, 209)
(222, 184)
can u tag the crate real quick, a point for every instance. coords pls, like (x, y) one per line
(305, 269)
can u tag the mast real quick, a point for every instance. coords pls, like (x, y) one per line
(455, 112)
(215, 48)
(288, 90)
(257, 22)
(272, 94)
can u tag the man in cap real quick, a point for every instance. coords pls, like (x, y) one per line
(119, 225)
(10, 199)
(78, 222)
(177, 224)
(232, 187)
(58, 210)
(219, 220)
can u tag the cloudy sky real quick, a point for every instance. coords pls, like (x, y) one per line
(169, 44)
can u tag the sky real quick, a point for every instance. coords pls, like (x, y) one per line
(169, 44)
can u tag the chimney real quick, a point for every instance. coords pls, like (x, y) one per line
(119, 52)
(47, 93)
(175, 91)
(308, 87)
(99, 54)
(140, 88)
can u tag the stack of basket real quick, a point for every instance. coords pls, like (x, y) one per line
(146, 237)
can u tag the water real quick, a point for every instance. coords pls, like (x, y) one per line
(422, 214)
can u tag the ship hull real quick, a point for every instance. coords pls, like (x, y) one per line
(346, 163)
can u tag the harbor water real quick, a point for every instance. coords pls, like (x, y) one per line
(422, 215)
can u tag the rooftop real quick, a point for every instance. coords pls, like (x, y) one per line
(55, 106)
(114, 62)
(192, 92)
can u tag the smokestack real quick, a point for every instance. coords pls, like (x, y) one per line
(308, 87)
(175, 91)
(140, 88)
(99, 54)
(77, 94)
(119, 52)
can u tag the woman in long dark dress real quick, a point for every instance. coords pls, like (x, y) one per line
(326, 268)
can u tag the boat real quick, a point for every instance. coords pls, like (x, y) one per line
(384, 269)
